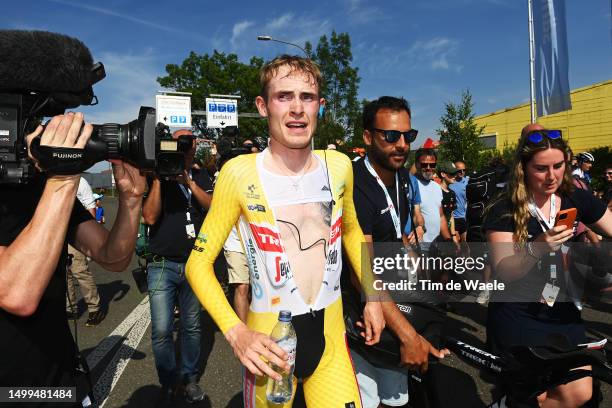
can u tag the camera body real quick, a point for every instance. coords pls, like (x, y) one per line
(41, 75)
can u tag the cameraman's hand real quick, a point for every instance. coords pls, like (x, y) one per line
(62, 131)
(128, 179)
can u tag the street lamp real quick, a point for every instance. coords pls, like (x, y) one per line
(269, 38)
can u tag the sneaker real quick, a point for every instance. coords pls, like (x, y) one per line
(193, 393)
(483, 297)
(165, 398)
(95, 318)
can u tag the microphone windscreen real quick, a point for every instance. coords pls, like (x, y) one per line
(43, 61)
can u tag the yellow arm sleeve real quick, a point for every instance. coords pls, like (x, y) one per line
(353, 240)
(223, 214)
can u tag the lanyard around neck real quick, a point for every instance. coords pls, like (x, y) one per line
(535, 211)
(186, 191)
(392, 210)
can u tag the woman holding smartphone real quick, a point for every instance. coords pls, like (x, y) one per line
(525, 247)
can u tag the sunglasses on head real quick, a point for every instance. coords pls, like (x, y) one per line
(392, 136)
(428, 165)
(537, 136)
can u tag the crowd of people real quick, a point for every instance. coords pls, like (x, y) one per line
(292, 224)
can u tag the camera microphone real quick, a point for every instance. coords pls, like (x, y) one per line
(45, 62)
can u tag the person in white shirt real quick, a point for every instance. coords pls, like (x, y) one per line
(79, 270)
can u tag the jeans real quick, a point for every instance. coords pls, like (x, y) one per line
(167, 285)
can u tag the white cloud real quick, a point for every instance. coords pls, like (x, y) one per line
(131, 82)
(279, 23)
(358, 12)
(238, 29)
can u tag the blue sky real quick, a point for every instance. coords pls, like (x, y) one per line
(425, 50)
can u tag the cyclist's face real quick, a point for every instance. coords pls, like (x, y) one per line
(545, 171)
(390, 156)
(291, 107)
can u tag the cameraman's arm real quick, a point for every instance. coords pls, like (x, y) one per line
(151, 209)
(28, 263)
(113, 250)
(203, 197)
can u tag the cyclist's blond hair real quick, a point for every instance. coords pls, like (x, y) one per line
(295, 63)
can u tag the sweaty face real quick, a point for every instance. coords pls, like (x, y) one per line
(426, 166)
(291, 108)
(545, 171)
(390, 156)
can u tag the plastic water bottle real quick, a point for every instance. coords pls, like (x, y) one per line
(284, 335)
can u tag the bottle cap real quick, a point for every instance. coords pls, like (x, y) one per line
(284, 316)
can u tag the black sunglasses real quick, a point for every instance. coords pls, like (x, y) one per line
(392, 136)
(460, 170)
(428, 165)
(536, 136)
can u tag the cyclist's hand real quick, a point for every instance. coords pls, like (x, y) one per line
(415, 353)
(551, 240)
(374, 322)
(255, 349)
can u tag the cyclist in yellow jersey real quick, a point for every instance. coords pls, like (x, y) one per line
(293, 209)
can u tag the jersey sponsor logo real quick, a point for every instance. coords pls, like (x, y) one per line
(202, 238)
(251, 251)
(252, 192)
(267, 239)
(332, 257)
(325, 188)
(275, 300)
(256, 207)
(336, 231)
(283, 270)
(257, 290)
(350, 405)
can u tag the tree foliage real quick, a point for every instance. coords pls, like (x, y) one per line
(219, 73)
(459, 134)
(339, 88)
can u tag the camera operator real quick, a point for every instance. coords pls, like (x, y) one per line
(175, 210)
(37, 220)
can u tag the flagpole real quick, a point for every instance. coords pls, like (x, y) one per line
(531, 62)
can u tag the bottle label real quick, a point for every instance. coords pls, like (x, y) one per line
(289, 345)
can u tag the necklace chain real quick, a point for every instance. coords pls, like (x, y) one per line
(295, 183)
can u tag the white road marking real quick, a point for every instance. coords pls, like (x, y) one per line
(118, 334)
(114, 370)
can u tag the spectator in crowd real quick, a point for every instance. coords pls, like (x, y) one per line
(175, 210)
(607, 197)
(79, 269)
(331, 146)
(431, 198)
(459, 186)
(100, 219)
(582, 172)
(447, 173)
(385, 200)
(525, 253)
(249, 144)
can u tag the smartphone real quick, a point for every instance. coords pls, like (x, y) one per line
(566, 217)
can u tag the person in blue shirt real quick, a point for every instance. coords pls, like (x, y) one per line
(458, 187)
(99, 209)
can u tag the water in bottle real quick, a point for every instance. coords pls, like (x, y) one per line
(284, 335)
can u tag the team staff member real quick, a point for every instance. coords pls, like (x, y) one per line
(294, 211)
(384, 201)
(459, 187)
(521, 233)
(175, 210)
(37, 220)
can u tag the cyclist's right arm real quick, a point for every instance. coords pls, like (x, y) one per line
(249, 346)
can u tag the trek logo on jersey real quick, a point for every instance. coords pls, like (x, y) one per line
(256, 207)
(336, 231)
(267, 239)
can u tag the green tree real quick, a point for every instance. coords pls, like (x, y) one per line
(218, 73)
(339, 88)
(459, 134)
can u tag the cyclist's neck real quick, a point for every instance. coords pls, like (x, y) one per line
(280, 159)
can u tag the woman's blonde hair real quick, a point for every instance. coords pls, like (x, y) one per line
(518, 192)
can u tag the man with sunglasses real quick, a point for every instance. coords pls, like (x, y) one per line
(386, 199)
(459, 187)
(431, 197)
(175, 210)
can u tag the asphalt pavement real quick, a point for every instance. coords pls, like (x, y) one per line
(120, 355)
